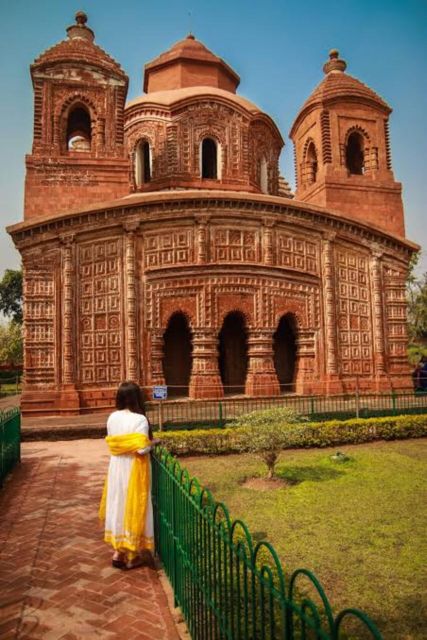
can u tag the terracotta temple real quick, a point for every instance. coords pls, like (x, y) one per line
(161, 244)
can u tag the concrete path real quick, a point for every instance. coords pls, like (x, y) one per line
(56, 579)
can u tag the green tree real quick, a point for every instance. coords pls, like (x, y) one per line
(11, 295)
(417, 302)
(11, 343)
(267, 432)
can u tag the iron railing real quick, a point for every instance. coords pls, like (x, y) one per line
(229, 587)
(187, 413)
(10, 441)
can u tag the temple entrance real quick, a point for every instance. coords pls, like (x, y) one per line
(233, 353)
(177, 360)
(285, 351)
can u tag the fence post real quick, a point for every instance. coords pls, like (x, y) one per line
(393, 401)
(160, 415)
(221, 423)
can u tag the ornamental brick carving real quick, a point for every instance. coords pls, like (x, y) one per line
(354, 312)
(134, 240)
(100, 312)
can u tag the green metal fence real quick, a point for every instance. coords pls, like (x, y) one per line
(216, 413)
(228, 586)
(10, 441)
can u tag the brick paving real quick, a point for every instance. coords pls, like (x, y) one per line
(56, 579)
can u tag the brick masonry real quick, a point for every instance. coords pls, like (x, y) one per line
(56, 579)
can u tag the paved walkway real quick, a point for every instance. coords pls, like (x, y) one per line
(56, 579)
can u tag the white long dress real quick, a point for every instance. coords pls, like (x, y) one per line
(120, 423)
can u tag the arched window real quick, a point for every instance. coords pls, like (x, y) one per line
(354, 154)
(142, 163)
(79, 130)
(263, 175)
(311, 163)
(209, 159)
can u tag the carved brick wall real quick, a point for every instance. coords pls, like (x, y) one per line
(100, 312)
(294, 252)
(167, 248)
(395, 317)
(354, 312)
(41, 345)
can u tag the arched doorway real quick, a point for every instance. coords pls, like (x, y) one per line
(285, 351)
(209, 163)
(79, 130)
(177, 360)
(233, 353)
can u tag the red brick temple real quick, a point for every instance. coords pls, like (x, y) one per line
(161, 244)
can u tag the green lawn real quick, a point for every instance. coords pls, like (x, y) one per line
(360, 525)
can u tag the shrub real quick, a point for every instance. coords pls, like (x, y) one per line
(309, 434)
(267, 432)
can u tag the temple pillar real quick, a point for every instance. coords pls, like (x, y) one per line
(205, 381)
(381, 380)
(333, 382)
(132, 369)
(268, 241)
(156, 360)
(307, 373)
(261, 379)
(69, 395)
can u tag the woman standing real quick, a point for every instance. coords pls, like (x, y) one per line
(126, 502)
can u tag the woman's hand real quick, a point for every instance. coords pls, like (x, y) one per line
(155, 442)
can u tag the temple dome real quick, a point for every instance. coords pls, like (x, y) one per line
(338, 85)
(78, 47)
(189, 63)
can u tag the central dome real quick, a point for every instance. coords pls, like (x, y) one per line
(188, 63)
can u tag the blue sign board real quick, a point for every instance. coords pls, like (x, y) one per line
(160, 392)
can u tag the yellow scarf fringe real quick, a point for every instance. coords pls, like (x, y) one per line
(134, 538)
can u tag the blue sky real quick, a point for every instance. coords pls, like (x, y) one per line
(278, 48)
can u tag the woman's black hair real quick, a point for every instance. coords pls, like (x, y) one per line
(129, 396)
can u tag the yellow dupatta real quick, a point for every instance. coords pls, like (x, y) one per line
(134, 538)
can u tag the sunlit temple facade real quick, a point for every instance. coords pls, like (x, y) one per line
(161, 244)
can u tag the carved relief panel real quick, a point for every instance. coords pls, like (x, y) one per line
(167, 248)
(395, 317)
(100, 311)
(40, 301)
(295, 252)
(234, 245)
(354, 312)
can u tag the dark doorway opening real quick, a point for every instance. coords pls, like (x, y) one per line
(177, 355)
(209, 159)
(233, 353)
(355, 156)
(285, 351)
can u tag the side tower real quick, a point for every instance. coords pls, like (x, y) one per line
(342, 151)
(78, 155)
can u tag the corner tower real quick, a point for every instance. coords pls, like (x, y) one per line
(78, 155)
(342, 151)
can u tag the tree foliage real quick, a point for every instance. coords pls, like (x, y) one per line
(416, 289)
(11, 295)
(267, 432)
(11, 347)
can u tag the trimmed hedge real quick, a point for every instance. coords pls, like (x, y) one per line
(309, 434)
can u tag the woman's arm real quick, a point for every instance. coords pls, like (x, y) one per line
(142, 427)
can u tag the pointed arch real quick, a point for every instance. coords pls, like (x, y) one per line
(76, 123)
(356, 147)
(177, 354)
(310, 162)
(233, 352)
(285, 352)
(143, 166)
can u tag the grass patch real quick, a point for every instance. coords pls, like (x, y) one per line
(359, 525)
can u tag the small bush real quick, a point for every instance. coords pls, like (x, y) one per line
(267, 432)
(305, 435)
